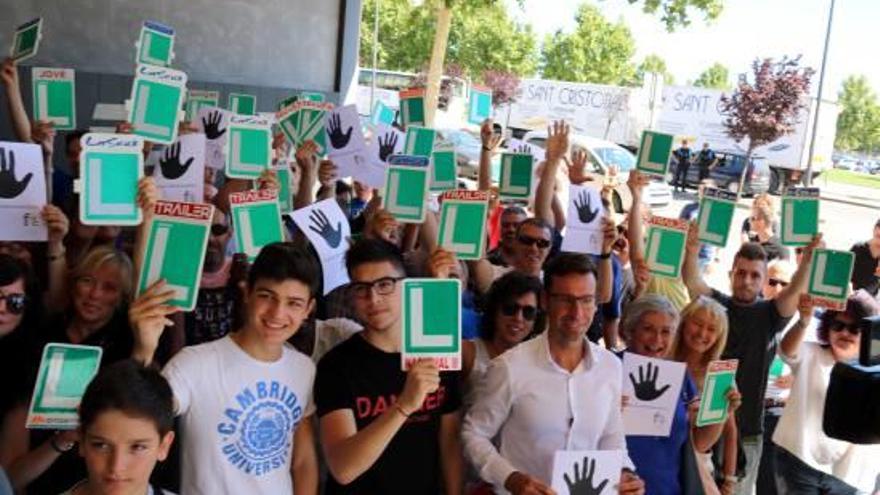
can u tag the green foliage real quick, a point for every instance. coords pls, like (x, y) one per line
(597, 51)
(653, 63)
(858, 125)
(677, 13)
(482, 37)
(715, 77)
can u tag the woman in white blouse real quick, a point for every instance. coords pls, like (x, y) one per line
(809, 462)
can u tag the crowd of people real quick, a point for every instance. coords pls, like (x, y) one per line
(270, 386)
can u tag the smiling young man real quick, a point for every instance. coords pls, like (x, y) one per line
(245, 399)
(384, 430)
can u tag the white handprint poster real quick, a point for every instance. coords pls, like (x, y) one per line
(326, 227)
(213, 121)
(345, 139)
(652, 388)
(180, 170)
(22, 192)
(583, 221)
(586, 472)
(386, 141)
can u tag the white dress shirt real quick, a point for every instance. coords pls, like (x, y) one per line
(540, 408)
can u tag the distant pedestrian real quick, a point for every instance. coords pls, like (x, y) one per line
(684, 157)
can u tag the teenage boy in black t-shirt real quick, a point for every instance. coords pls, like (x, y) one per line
(384, 430)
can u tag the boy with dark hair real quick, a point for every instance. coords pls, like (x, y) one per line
(245, 399)
(866, 267)
(384, 430)
(126, 417)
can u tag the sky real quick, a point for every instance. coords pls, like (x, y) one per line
(745, 30)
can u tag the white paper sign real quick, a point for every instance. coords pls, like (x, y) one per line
(213, 122)
(386, 141)
(22, 192)
(519, 146)
(583, 221)
(586, 472)
(345, 140)
(180, 171)
(653, 387)
(326, 227)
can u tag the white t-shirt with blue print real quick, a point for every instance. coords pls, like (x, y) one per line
(238, 416)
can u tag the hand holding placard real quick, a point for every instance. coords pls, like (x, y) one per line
(423, 378)
(148, 316)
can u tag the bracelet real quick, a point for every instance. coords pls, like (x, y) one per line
(605, 256)
(400, 410)
(58, 449)
(486, 149)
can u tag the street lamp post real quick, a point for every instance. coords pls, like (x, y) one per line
(809, 178)
(375, 53)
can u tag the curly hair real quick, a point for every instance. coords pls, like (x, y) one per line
(508, 287)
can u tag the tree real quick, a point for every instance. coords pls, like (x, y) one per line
(676, 13)
(858, 124)
(766, 108)
(504, 86)
(715, 77)
(597, 51)
(653, 63)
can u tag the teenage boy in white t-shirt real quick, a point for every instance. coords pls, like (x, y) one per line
(244, 400)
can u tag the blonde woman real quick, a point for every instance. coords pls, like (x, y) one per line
(700, 339)
(763, 200)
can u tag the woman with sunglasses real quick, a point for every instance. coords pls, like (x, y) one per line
(808, 461)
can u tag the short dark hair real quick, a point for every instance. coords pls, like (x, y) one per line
(537, 222)
(12, 269)
(513, 210)
(342, 188)
(508, 287)
(281, 261)
(73, 135)
(373, 251)
(860, 304)
(567, 264)
(751, 251)
(133, 389)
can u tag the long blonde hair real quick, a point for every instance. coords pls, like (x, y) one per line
(717, 313)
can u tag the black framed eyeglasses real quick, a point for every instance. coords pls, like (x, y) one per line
(15, 303)
(529, 313)
(533, 241)
(839, 326)
(218, 229)
(382, 286)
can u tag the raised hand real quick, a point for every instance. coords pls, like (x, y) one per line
(321, 226)
(646, 387)
(170, 164)
(488, 138)
(386, 148)
(637, 181)
(585, 211)
(338, 139)
(582, 484)
(148, 317)
(8, 73)
(557, 140)
(56, 223)
(147, 194)
(268, 180)
(327, 173)
(212, 125)
(442, 263)
(10, 187)
(43, 133)
(577, 168)
(307, 155)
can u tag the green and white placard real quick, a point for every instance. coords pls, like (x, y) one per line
(155, 46)
(667, 238)
(174, 251)
(242, 104)
(419, 141)
(412, 107)
(154, 108)
(716, 216)
(256, 219)
(406, 188)
(382, 114)
(431, 322)
(248, 146)
(800, 215)
(312, 96)
(197, 99)
(462, 229)
(517, 175)
(110, 167)
(285, 193)
(720, 377)
(830, 274)
(444, 171)
(479, 105)
(26, 40)
(655, 151)
(311, 123)
(65, 372)
(54, 92)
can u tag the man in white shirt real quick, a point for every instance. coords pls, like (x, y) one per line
(555, 392)
(244, 400)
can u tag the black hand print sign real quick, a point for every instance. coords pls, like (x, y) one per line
(321, 226)
(10, 187)
(523, 148)
(170, 163)
(386, 147)
(212, 125)
(646, 388)
(338, 139)
(586, 214)
(582, 484)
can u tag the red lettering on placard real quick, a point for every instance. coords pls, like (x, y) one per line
(727, 365)
(412, 93)
(672, 223)
(465, 195)
(197, 211)
(253, 196)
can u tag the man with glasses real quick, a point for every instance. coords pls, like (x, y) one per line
(532, 242)
(384, 430)
(557, 391)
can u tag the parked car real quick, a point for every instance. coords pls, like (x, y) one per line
(467, 151)
(726, 173)
(603, 154)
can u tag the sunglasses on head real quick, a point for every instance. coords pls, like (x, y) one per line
(14, 303)
(219, 229)
(775, 281)
(532, 241)
(529, 313)
(838, 326)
